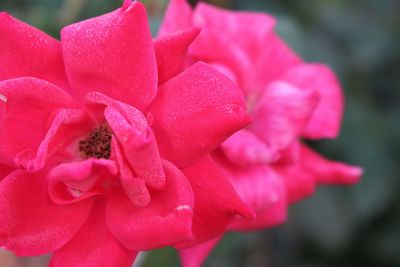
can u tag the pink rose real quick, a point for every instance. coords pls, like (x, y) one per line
(289, 100)
(105, 141)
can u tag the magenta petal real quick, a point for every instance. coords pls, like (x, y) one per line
(63, 129)
(24, 116)
(5, 170)
(282, 113)
(26, 51)
(167, 219)
(112, 54)
(171, 53)
(139, 146)
(93, 246)
(217, 203)
(177, 17)
(261, 189)
(195, 256)
(194, 112)
(326, 119)
(245, 149)
(35, 225)
(329, 172)
(82, 175)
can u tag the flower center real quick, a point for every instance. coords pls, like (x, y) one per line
(97, 144)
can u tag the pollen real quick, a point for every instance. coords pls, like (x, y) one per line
(97, 144)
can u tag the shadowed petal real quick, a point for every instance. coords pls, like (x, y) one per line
(216, 201)
(171, 53)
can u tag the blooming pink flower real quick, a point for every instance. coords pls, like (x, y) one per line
(289, 100)
(105, 141)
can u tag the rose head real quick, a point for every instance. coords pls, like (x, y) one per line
(105, 141)
(288, 99)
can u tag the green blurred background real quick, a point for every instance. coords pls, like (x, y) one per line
(360, 40)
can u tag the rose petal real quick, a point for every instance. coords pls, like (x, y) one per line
(94, 246)
(30, 224)
(282, 113)
(195, 256)
(26, 51)
(327, 171)
(67, 125)
(245, 149)
(135, 188)
(82, 175)
(112, 54)
(167, 219)
(194, 112)
(177, 17)
(326, 119)
(171, 53)
(216, 201)
(139, 146)
(24, 116)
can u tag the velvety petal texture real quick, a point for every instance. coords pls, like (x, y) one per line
(31, 224)
(26, 51)
(112, 54)
(94, 246)
(166, 220)
(194, 112)
(25, 114)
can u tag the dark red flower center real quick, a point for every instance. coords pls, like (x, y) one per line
(97, 144)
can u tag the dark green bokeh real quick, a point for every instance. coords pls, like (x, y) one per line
(338, 226)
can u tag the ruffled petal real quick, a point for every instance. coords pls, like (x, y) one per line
(112, 54)
(135, 188)
(216, 201)
(195, 256)
(329, 172)
(326, 119)
(82, 175)
(166, 221)
(67, 125)
(24, 116)
(26, 51)
(194, 112)
(243, 148)
(93, 246)
(30, 223)
(139, 146)
(171, 53)
(282, 113)
(177, 17)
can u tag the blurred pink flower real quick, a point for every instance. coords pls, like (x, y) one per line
(105, 141)
(289, 100)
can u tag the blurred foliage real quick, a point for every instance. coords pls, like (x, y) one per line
(360, 39)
